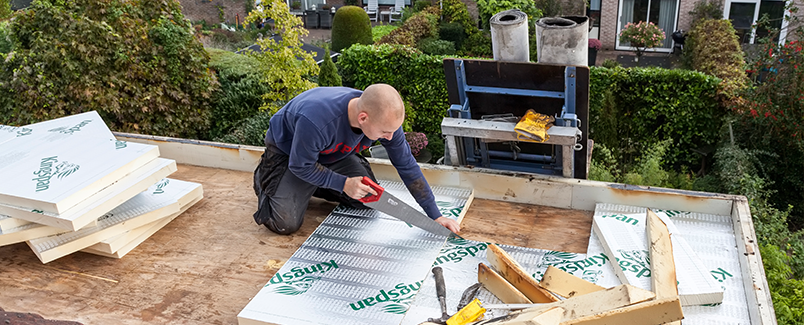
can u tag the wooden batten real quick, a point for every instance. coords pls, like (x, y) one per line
(662, 265)
(597, 302)
(654, 312)
(550, 316)
(517, 276)
(566, 285)
(498, 286)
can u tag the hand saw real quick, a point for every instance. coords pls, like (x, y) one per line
(389, 204)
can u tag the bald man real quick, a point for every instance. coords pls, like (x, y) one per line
(312, 149)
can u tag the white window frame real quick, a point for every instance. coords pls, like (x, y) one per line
(782, 33)
(653, 49)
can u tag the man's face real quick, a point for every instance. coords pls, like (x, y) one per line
(377, 127)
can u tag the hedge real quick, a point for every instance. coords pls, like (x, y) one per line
(240, 93)
(634, 109)
(418, 77)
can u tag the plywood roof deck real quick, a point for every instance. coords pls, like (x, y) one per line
(205, 266)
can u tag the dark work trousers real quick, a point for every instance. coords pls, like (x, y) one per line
(283, 197)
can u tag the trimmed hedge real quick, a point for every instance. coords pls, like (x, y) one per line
(421, 25)
(713, 48)
(634, 109)
(351, 25)
(418, 77)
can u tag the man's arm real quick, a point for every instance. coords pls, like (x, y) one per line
(402, 159)
(308, 141)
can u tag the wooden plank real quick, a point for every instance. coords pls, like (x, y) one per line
(598, 302)
(654, 312)
(498, 286)
(754, 280)
(662, 266)
(502, 131)
(517, 276)
(466, 207)
(551, 316)
(565, 284)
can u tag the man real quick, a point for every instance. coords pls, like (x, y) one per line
(312, 146)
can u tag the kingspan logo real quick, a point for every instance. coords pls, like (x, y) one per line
(448, 209)
(159, 186)
(588, 267)
(50, 167)
(622, 218)
(394, 301)
(635, 261)
(457, 249)
(120, 144)
(75, 128)
(299, 279)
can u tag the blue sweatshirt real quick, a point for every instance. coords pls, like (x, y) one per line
(313, 129)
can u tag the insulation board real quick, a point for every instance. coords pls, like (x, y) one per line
(8, 223)
(137, 236)
(711, 237)
(157, 202)
(101, 202)
(27, 232)
(624, 236)
(359, 266)
(54, 132)
(57, 178)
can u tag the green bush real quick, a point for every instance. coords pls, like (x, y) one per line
(136, 63)
(706, 9)
(250, 131)
(379, 31)
(787, 293)
(533, 48)
(5, 9)
(478, 45)
(418, 77)
(434, 46)
(240, 93)
(351, 25)
(421, 5)
(611, 64)
(714, 49)
(632, 110)
(422, 25)
(455, 11)
(328, 76)
(6, 45)
(489, 8)
(452, 32)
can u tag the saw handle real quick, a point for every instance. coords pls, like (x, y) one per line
(441, 291)
(376, 187)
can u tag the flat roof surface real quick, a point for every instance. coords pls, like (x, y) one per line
(204, 266)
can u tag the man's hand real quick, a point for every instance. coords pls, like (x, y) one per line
(450, 224)
(355, 188)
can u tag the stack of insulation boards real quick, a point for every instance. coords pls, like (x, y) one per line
(69, 185)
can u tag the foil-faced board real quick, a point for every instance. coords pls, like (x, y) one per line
(359, 266)
(712, 238)
(157, 202)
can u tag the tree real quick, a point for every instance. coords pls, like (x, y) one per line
(329, 73)
(134, 61)
(284, 66)
(351, 25)
(5, 9)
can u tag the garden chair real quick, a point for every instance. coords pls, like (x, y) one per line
(395, 14)
(373, 10)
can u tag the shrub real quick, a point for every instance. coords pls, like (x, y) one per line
(329, 73)
(533, 46)
(240, 93)
(5, 9)
(455, 11)
(787, 293)
(706, 9)
(435, 46)
(284, 66)
(714, 49)
(421, 5)
(641, 36)
(479, 45)
(5, 38)
(379, 31)
(351, 25)
(631, 110)
(489, 8)
(418, 77)
(422, 25)
(611, 64)
(141, 69)
(452, 32)
(250, 131)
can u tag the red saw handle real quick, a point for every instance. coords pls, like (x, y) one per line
(377, 188)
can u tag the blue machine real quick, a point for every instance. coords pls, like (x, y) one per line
(542, 158)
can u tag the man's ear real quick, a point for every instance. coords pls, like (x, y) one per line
(362, 117)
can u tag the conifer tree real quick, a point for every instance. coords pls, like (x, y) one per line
(329, 73)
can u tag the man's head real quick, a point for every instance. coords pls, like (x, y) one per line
(380, 111)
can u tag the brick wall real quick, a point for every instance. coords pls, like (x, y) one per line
(608, 23)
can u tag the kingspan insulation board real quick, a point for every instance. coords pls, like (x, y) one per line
(57, 178)
(8, 223)
(624, 236)
(55, 131)
(137, 236)
(359, 266)
(157, 202)
(27, 232)
(101, 202)
(711, 237)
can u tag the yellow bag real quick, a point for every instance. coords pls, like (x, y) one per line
(533, 127)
